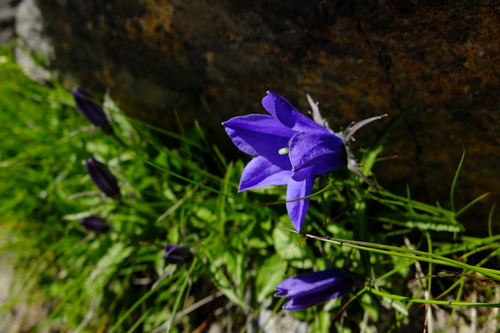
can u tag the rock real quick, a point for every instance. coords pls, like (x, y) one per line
(34, 49)
(212, 60)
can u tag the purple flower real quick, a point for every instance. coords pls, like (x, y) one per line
(312, 289)
(95, 223)
(92, 111)
(175, 254)
(103, 178)
(291, 149)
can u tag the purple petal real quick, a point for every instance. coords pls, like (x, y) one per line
(258, 134)
(262, 172)
(323, 150)
(299, 186)
(303, 302)
(311, 282)
(288, 115)
(313, 288)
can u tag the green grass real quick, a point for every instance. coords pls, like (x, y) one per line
(119, 282)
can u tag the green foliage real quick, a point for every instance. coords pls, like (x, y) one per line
(119, 282)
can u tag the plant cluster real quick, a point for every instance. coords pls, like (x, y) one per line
(124, 227)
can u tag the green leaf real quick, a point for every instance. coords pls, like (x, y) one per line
(107, 266)
(285, 242)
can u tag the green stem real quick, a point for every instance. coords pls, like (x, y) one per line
(409, 254)
(455, 179)
(425, 301)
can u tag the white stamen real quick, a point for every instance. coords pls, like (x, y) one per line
(284, 151)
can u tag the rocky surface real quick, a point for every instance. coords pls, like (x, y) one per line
(212, 60)
(34, 50)
(8, 10)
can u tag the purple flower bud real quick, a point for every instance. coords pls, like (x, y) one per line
(92, 111)
(95, 223)
(312, 289)
(103, 178)
(175, 254)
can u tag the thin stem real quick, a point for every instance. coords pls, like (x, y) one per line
(409, 254)
(425, 301)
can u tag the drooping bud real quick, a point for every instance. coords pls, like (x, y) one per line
(103, 178)
(86, 105)
(96, 224)
(175, 254)
(307, 290)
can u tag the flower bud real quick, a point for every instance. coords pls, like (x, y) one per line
(95, 223)
(103, 178)
(91, 110)
(175, 254)
(315, 288)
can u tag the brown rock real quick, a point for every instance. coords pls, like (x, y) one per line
(212, 60)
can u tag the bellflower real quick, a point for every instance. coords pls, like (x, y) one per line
(103, 178)
(91, 110)
(95, 223)
(312, 289)
(175, 254)
(291, 149)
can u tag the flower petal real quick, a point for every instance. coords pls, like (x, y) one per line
(288, 115)
(299, 186)
(311, 282)
(262, 172)
(306, 301)
(323, 150)
(258, 134)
